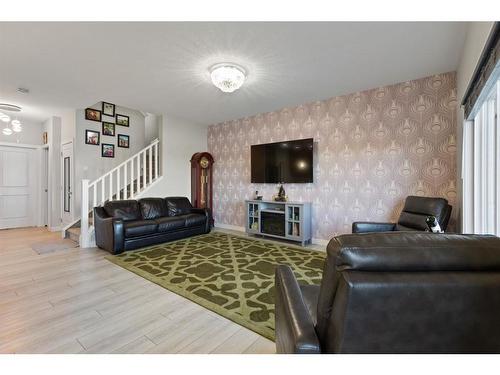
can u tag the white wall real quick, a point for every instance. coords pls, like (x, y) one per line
(89, 164)
(31, 133)
(152, 124)
(475, 40)
(68, 125)
(180, 139)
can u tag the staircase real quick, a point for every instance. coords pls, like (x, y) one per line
(129, 180)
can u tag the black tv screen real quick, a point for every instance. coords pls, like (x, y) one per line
(283, 162)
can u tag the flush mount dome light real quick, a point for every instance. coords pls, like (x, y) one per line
(227, 77)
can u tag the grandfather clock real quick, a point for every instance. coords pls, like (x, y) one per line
(201, 180)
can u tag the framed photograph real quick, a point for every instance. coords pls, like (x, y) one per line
(123, 141)
(108, 109)
(122, 120)
(92, 137)
(108, 151)
(108, 128)
(92, 114)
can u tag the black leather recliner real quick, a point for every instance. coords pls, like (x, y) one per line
(412, 218)
(395, 292)
(130, 224)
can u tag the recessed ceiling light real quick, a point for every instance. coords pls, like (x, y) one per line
(5, 118)
(7, 131)
(228, 77)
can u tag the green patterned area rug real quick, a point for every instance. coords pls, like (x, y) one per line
(230, 275)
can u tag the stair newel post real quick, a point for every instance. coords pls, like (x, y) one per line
(84, 230)
(156, 160)
(144, 169)
(118, 184)
(132, 178)
(103, 193)
(138, 178)
(111, 186)
(125, 181)
(150, 164)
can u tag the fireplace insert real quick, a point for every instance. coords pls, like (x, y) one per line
(272, 223)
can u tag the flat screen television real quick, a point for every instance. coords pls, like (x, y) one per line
(283, 162)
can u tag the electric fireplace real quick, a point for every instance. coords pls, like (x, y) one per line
(273, 223)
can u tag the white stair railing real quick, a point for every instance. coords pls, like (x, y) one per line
(125, 181)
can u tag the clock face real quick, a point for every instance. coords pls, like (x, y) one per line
(204, 162)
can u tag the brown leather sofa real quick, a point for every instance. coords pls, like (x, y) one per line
(395, 292)
(130, 224)
(412, 218)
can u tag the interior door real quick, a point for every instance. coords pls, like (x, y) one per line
(67, 182)
(18, 176)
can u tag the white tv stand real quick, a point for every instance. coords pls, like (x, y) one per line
(286, 220)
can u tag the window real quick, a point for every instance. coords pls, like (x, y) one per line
(481, 163)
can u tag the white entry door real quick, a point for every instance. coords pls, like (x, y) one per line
(67, 182)
(18, 176)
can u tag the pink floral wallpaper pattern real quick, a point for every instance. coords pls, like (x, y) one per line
(372, 149)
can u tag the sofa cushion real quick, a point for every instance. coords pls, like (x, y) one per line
(178, 206)
(194, 220)
(415, 252)
(167, 224)
(125, 210)
(140, 228)
(425, 205)
(416, 210)
(153, 208)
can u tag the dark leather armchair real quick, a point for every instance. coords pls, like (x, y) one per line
(130, 224)
(412, 218)
(395, 293)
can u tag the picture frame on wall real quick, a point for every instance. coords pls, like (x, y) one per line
(123, 141)
(93, 114)
(92, 137)
(122, 120)
(108, 128)
(107, 150)
(108, 109)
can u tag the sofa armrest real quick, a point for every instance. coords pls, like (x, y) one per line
(295, 332)
(368, 227)
(208, 214)
(109, 232)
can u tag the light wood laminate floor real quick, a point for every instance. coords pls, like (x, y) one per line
(75, 301)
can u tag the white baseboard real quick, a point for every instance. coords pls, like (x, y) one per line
(319, 241)
(315, 241)
(231, 227)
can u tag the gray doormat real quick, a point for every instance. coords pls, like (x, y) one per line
(50, 246)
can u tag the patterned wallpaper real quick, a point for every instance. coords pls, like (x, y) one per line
(372, 149)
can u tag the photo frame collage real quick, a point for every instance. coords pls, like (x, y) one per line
(93, 137)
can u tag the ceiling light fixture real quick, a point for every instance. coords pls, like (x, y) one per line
(10, 107)
(15, 125)
(228, 77)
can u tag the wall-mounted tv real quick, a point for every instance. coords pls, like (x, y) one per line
(283, 162)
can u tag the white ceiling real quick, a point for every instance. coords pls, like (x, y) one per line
(163, 67)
